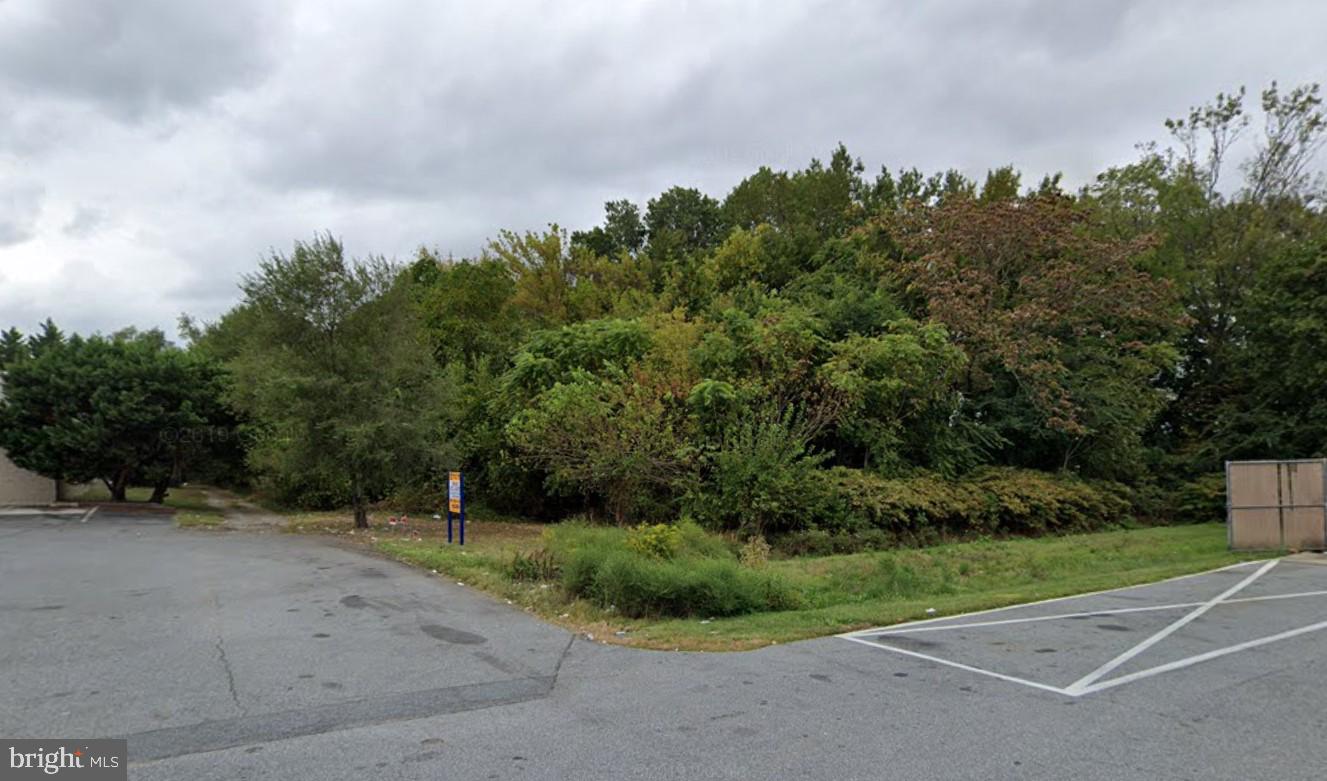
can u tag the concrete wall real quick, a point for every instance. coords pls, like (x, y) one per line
(19, 486)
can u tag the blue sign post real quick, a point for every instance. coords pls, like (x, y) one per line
(455, 502)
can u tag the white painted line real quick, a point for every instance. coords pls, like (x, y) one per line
(1079, 686)
(89, 514)
(1276, 596)
(1089, 614)
(1035, 619)
(1052, 600)
(1093, 683)
(961, 666)
(1192, 660)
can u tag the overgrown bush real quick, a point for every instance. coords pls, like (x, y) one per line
(755, 553)
(536, 565)
(659, 541)
(640, 586)
(820, 542)
(424, 495)
(1200, 500)
(310, 491)
(994, 501)
(703, 577)
(621, 442)
(762, 479)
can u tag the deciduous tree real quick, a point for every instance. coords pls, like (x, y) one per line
(333, 366)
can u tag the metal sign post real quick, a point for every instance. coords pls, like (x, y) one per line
(455, 502)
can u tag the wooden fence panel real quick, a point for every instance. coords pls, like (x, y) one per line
(1305, 517)
(1277, 504)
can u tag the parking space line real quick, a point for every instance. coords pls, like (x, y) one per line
(1086, 614)
(961, 666)
(1181, 663)
(1033, 619)
(1097, 680)
(920, 622)
(1081, 685)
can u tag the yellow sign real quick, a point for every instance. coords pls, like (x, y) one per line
(454, 492)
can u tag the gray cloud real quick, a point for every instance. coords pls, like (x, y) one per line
(206, 134)
(20, 205)
(130, 57)
(85, 222)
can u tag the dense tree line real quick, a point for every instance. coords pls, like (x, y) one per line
(128, 408)
(819, 350)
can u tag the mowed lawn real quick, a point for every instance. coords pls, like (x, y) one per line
(839, 593)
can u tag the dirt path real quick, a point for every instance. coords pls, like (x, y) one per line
(241, 514)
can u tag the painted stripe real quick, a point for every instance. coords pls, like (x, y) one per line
(1079, 686)
(1192, 660)
(1034, 619)
(1052, 600)
(89, 514)
(960, 665)
(1092, 613)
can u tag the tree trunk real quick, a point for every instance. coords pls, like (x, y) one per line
(159, 491)
(162, 486)
(119, 485)
(361, 511)
(618, 503)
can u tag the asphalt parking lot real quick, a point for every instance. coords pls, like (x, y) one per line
(1083, 645)
(244, 655)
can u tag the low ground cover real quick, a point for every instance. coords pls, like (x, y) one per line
(191, 519)
(190, 502)
(189, 497)
(702, 593)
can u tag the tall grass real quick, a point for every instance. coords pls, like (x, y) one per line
(702, 577)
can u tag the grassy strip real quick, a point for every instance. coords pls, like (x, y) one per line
(190, 519)
(191, 498)
(877, 589)
(839, 593)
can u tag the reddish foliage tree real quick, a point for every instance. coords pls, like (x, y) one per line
(1023, 285)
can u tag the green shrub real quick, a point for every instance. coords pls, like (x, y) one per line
(417, 496)
(659, 541)
(822, 542)
(1200, 500)
(579, 549)
(702, 578)
(311, 491)
(533, 566)
(755, 553)
(994, 501)
(695, 541)
(639, 586)
(762, 479)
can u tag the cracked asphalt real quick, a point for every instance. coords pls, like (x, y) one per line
(245, 655)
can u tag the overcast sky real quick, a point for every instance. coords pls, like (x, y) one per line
(152, 150)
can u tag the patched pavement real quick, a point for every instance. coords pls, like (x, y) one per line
(238, 655)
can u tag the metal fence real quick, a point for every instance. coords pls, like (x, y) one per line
(1277, 504)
